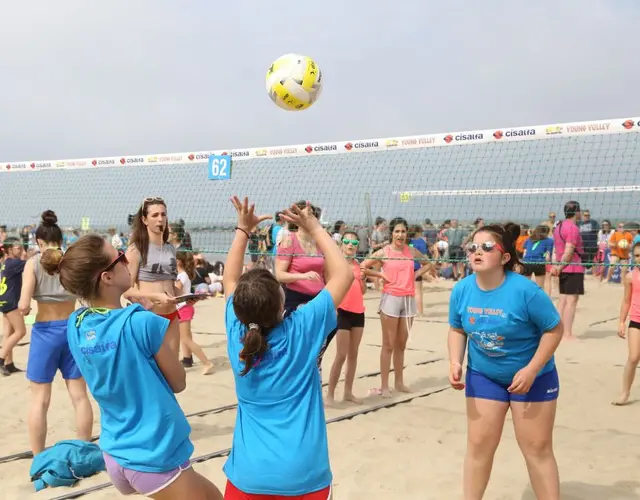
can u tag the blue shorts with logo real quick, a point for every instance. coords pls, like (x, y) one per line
(545, 388)
(49, 352)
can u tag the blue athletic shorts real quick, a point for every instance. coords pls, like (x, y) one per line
(49, 352)
(545, 388)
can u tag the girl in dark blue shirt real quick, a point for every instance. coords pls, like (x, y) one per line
(537, 252)
(11, 267)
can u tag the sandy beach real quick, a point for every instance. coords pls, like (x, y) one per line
(413, 450)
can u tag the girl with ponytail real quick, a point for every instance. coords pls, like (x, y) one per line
(49, 348)
(274, 363)
(512, 330)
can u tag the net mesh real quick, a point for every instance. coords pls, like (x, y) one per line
(520, 181)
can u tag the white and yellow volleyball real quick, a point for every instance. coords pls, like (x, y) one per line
(294, 82)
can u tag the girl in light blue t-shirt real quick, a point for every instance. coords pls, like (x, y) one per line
(125, 357)
(511, 330)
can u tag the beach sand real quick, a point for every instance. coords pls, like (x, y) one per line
(413, 450)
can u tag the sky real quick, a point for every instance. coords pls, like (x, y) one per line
(85, 78)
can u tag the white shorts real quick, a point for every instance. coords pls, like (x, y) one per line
(398, 307)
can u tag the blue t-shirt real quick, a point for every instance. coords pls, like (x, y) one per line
(504, 325)
(143, 426)
(274, 235)
(636, 239)
(10, 283)
(421, 246)
(537, 250)
(280, 439)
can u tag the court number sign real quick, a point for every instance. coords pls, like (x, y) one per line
(219, 167)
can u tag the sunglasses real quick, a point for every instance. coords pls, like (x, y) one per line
(352, 242)
(487, 246)
(120, 258)
(152, 200)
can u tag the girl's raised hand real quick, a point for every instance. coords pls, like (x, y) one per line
(247, 219)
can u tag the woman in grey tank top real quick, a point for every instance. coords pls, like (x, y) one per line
(49, 348)
(152, 264)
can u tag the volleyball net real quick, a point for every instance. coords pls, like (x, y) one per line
(512, 174)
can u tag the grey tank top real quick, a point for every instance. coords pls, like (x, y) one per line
(48, 288)
(161, 264)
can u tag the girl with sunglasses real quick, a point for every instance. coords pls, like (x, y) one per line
(49, 348)
(630, 308)
(512, 330)
(350, 323)
(280, 446)
(398, 303)
(133, 374)
(152, 264)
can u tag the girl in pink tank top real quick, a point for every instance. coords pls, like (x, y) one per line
(630, 309)
(398, 303)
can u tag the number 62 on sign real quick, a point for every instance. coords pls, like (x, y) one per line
(219, 167)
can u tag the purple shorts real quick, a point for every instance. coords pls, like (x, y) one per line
(129, 482)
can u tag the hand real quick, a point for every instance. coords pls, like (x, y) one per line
(303, 218)
(522, 381)
(24, 308)
(162, 299)
(146, 303)
(247, 219)
(311, 276)
(622, 330)
(556, 270)
(455, 376)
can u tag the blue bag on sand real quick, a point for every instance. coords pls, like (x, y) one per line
(65, 463)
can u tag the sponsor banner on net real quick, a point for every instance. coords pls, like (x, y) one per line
(349, 147)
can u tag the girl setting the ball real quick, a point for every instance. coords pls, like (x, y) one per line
(512, 329)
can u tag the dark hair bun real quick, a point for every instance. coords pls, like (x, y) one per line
(513, 230)
(49, 218)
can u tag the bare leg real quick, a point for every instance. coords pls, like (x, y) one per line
(352, 365)
(16, 332)
(568, 314)
(485, 421)
(540, 281)
(389, 334)
(419, 297)
(37, 419)
(404, 325)
(7, 331)
(342, 349)
(84, 412)
(187, 339)
(629, 374)
(533, 423)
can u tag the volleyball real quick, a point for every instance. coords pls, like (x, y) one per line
(294, 82)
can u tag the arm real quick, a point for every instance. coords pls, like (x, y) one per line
(626, 299)
(247, 220)
(171, 367)
(134, 294)
(457, 345)
(28, 287)
(375, 262)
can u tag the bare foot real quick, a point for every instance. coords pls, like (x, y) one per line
(352, 398)
(208, 369)
(402, 388)
(622, 400)
(330, 401)
(386, 393)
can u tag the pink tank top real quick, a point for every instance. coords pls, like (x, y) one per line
(354, 301)
(634, 312)
(400, 273)
(302, 263)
